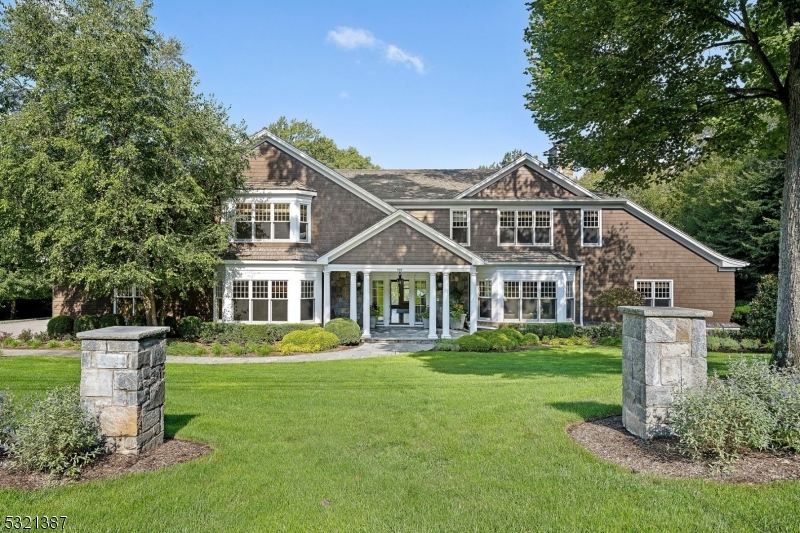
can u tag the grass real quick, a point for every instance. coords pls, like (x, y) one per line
(435, 441)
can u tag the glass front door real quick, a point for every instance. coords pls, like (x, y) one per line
(399, 302)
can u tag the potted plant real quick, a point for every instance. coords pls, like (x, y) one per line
(457, 315)
(374, 313)
(425, 315)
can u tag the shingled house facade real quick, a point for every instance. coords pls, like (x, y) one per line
(522, 244)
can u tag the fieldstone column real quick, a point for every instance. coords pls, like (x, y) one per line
(663, 351)
(122, 383)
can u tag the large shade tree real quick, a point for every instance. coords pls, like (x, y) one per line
(112, 167)
(644, 89)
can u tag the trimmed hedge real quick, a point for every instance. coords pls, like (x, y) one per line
(500, 340)
(60, 326)
(137, 320)
(189, 327)
(564, 330)
(172, 323)
(310, 340)
(473, 343)
(348, 331)
(231, 332)
(110, 320)
(530, 339)
(86, 323)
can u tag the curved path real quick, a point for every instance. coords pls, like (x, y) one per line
(364, 351)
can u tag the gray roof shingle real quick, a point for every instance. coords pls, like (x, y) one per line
(262, 183)
(265, 251)
(415, 184)
(532, 256)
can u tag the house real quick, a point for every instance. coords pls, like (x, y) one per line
(521, 244)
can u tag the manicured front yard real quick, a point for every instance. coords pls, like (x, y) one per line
(445, 441)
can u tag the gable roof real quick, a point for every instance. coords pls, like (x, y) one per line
(401, 216)
(415, 184)
(323, 169)
(535, 165)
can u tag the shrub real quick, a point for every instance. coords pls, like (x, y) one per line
(86, 323)
(609, 341)
(251, 347)
(499, 340)
(55, 435)
(308, 341)
(8, 420)
(445, 345)
(265, 349)
(41, 336)
(599, 331)
(236, 349)
(25, 335)
(512, 333)
(137, 320)
(53, 344)
(110, 320)
(530, 339)
(185, 348)
(572, 341)
(565, 330)
(740, 314)
(229, 332)
(559, 329)
(69, 343)
(217, 349)
(60, 326)
(189, 327)
(764, 308)
(35, 343)
(346, 330)
(750, 344)
(618, 296)
(473, 343)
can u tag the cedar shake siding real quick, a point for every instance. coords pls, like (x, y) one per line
(438, 219)
(74, 302)
(524, 183)
(399, 244)
(337, 215)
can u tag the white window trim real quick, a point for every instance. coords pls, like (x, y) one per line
(294, 201)
(308, 233)
(652, 283)
(469, 226)
(534, 211)
(538, 302)
(600, 228)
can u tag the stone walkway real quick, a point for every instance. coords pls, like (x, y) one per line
(15, 327)
(365, 351)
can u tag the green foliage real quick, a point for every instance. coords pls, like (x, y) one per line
(230, 332)
(86, 323)
(116, 166)
(189, 327)
(137, 320)
(600, 331)
(34, 343)
(559, 329)
(512, 333)
(185, 348)
(750, 344)
(508, 158)
(763, 310)
(567, 341)
(308, 341)
(717, 343)
(346, 330)
(613, 298)
(111, 320)
(754, 406)
(236, 349)
(216, 349)
(60, 326)
(306, 137)
(473, 343)
(610, 341)
(55, 435)
(251, 348)
(264, 349)
(53, 344)
(172, 323)
(740, 314)
(499, 340)
(25, 335)
(445, 345)
(530, 339)
(8, 420)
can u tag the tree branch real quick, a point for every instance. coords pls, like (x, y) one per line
(755, 44)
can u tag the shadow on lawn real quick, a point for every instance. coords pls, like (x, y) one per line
(174, 423)
(588, 410)
(575, 363)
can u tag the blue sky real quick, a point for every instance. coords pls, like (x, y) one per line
(412, 84)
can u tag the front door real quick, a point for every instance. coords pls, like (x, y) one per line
(399, 302)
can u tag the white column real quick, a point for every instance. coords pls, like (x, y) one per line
(473, 301)
(387, 300)
(446, 305)
(318, 297)
(412, 301)
(326, 298)
(367, 298)
(561, 298)
(353, 297)
(432, 305)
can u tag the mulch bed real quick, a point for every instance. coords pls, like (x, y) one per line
(608, 439)
(172, 452)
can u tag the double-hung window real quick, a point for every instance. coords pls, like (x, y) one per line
(529, 300)
(526, 228)
(657, 293)
(570, 295)
(591, 234)
(459, 226)
(485, 299)
(260, 301)
(305, 236)
(307, 300)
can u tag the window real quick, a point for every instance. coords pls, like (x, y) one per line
(529, 300)
(485, 299)
(421, 299)
(590, 228)
(570, 300)
(125, 301)
(657, 293)
(260, 301)
(307, 300)
(459, 227)
(304, 234)
(526, 228)
(377, 299)
(268, 221)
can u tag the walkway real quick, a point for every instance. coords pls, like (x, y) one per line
(383, 334)
(15, 327)
(364, 351)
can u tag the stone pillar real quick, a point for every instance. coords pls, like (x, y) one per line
(432, 306)
(366, 301)
(473, 302)
(446, 305)
(122, 383)
(663, 351)
(353, 296)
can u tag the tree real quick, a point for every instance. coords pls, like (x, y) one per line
(112, 168)
(307, 138)
(509, 158)
(646, 89)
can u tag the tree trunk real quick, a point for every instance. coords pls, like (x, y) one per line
(150, 310)
(787, 326)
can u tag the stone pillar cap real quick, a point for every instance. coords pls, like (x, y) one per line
(664, 312)
(123, 333)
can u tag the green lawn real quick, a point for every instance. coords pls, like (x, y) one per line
(427, 442)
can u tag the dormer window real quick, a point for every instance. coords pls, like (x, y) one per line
(283, 219)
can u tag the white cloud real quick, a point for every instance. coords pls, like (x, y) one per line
(344, 95)
(395, 54)
(351, 38)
